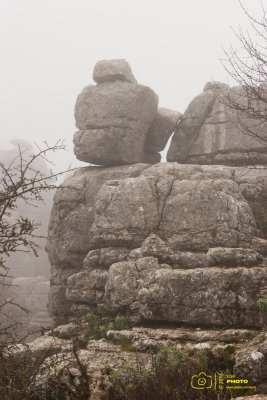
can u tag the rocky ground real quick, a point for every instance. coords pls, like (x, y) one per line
(244, 350)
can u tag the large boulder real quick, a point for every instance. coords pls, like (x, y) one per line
(212, 132)
(113, 119)
(169, 242)
(113, 70)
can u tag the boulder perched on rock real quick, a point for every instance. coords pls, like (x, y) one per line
(210, 132)
(170, 242)
(114, 117)
(113, 70)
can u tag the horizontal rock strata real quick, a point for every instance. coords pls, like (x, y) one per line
(170, 242)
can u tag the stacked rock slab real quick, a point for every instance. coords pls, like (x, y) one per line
(167, 242)
(170, 242)
(115, 116)
(212, 132)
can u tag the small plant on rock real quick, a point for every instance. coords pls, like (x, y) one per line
(96, 323)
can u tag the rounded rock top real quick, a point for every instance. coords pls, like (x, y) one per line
(113, 70)
(215, 85)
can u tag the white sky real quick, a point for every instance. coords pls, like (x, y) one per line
(48, 49)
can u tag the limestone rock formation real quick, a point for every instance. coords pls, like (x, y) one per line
(118, 120)
(113, 70)
(182, 244)
(169, 242)
(113, 117)
(212, 133)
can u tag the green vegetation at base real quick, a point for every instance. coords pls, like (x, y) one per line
(262, 304)
(169, 377)
(95, 324)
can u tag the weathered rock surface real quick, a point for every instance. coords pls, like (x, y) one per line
(185, 339)
(159, 133)
(99, 358)
(177, 243)
(251, 360)
(134, 348)
(212, 133)
(113, 119)
(197, 296)
(113, 70)
(46, 345)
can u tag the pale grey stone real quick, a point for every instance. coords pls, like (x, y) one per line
(215, 86)
(217, 296)
(251, 360)
(234, 257)
(73, 212)
(160, 131)
(104, 257)
(113, 70)
(174, 218)
(189, 126)
(86, 287)
(211, 132)
(113, 120)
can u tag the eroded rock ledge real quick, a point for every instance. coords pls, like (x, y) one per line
(169, 242)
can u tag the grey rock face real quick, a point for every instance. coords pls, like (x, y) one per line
(211, 133)
(113, 70)
(166, 242)
(186, 339)
(227, 297)
(113, 120)
(251, 360)
(160, 131)
(118, 120)
(188, 128)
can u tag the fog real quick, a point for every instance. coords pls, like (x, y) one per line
(49, 48)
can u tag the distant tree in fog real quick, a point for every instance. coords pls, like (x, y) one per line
(247, 65)
(24, 180)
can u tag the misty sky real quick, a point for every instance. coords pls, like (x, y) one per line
(49, 48)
